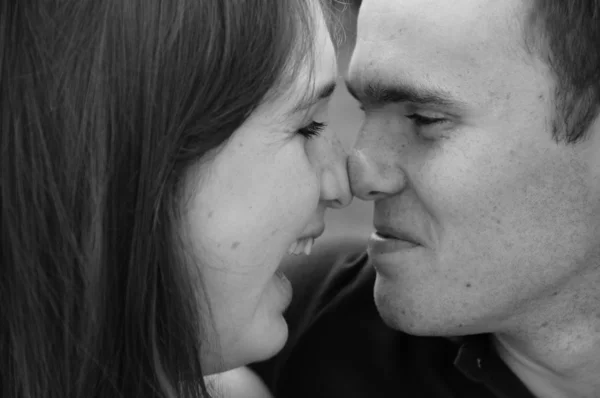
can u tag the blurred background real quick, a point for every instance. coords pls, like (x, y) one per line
(346, 119)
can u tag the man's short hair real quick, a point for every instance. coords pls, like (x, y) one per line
(566, 33)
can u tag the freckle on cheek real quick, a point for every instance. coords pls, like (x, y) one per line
(211, 214)
(235, 245)
(468, 285)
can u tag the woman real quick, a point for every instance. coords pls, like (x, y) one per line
(159, 158)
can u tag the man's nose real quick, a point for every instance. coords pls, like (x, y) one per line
(371, 178)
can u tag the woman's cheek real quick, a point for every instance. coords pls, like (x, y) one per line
(302, 178)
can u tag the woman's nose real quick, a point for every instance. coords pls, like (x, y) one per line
(335, 187)
(372, 180)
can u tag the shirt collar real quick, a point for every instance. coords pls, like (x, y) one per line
(478, 360)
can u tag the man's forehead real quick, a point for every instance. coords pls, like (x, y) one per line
(473, 20)
(403, 41)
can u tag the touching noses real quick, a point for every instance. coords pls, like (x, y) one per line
(371, 178)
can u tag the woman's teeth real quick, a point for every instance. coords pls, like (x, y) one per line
(301, 246)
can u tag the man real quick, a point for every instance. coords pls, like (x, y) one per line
(481, 152)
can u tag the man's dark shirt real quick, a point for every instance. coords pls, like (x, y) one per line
(340, 347)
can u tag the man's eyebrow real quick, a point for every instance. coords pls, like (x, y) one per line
(377, 95)
(323, 92)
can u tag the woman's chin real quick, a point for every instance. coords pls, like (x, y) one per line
(268, 341)
(259, 344)
(284, 290)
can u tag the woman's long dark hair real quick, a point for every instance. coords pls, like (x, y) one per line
(104, 105)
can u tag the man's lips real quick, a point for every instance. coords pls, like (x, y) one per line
(383, 244)
(388, 232)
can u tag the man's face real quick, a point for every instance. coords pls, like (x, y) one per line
(457, 152)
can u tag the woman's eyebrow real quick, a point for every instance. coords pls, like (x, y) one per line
(323, 92)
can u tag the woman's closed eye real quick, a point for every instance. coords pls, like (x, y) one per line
(314, 129)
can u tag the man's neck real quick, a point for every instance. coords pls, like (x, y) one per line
(553, 343)
(560, 364)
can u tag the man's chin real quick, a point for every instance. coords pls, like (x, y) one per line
(416, 327)
(419, 323)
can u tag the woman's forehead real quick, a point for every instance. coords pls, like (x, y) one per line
(314, 81)
(308, 78)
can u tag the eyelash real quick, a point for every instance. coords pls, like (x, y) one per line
(312, 130)
(421, 120)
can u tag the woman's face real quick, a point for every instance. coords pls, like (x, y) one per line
(263, 193)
